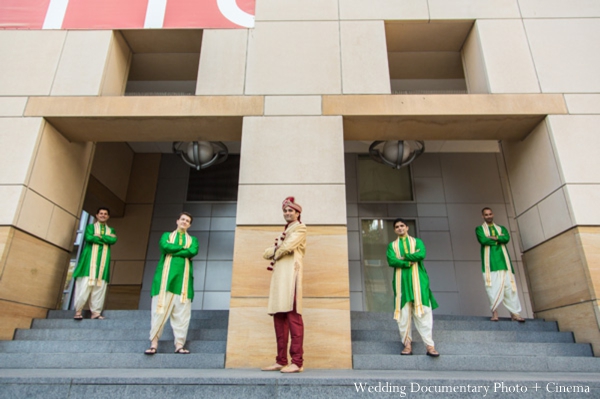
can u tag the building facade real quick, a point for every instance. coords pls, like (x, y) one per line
(505, 94)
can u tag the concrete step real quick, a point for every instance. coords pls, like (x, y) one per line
(359, 315)
(120, 324)
(97, 334)
(477, 363)
(88, 346)
(254, 384)
(391, 324)
(485, 349)
(467, 336)
(111, 360)
(136, 314)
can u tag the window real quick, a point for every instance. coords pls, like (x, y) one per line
(380, 183)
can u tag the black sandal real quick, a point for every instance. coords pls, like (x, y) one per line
(150, 351)
(182, 351)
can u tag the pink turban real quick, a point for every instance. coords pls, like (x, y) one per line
(289, 201)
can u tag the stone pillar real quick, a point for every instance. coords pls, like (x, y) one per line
(300, 157)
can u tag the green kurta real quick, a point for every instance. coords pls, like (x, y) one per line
(176, 271)
(405, 264)
(497, 260)
(108, 237)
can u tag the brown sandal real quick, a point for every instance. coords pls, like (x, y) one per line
(407, 351)
(516, 317)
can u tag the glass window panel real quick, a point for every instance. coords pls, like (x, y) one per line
(376, 235)
(216, 183)
(378, 182)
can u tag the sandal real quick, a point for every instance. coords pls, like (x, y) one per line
(407, 351)
(150, 351)
(432, 352)
(494, 316)
(182, 351)
(78, 317)
(97, 317)
(516, 317)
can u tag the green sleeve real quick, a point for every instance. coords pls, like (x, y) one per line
(110, 239)
(505, 237)
(393, 261)
(188, 252)
(419, 253)
(168, 248)
(90, 237)
(483, 239)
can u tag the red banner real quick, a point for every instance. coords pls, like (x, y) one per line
(129, 14)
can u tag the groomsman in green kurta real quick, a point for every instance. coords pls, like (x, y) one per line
(92, 273)
(498, 272)
(173, 285)
(413, 297)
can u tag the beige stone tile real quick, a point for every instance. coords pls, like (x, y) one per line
(575, 138)
(61, 228)
(12, 106)
(143, 178)
(112, 166)
(122, 297)
(35, 214)
(530, 228)
(132, 231)
(590, 243)
(60, 171)
(34, 273)
(583, 201)
(127, 273)
(565, 54)
(469, 146)
(293, 105)
(15, 315)
(326, 245)
(327, 344)
(532, 168)
(508, 62)
(11, 198)
(384, 10)
(583, 103)
(6, 235)
(261, 204)
(364, 58)
(297, 10)
(581, 319)
(474, 64)
(554, 214)
(30, 59)
(117, 66)
(559, 8)
(312, 68)
(82, 61)
(308, 138)
(557, 273)
(473, 9)
(222, 62)
(19, 138)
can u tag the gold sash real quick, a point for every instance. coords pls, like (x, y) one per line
(416, 281)
(486, 259)
(160, 308)
(94, 258)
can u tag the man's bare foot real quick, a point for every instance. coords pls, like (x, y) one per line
(494, 316)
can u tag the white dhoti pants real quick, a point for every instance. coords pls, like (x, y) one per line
(95, 293)
(501, 290)
(179, 314)
(424, 324)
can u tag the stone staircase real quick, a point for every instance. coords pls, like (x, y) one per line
(116, 342)
(470, 344)
(62, 358)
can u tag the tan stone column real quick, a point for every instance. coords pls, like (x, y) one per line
(556, 188)
(300, 157)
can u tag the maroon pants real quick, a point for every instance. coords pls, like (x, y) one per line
(285, 324)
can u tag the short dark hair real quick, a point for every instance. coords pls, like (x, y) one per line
(186, 214)
(103, 208)
(400, 220)
(484, 209)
